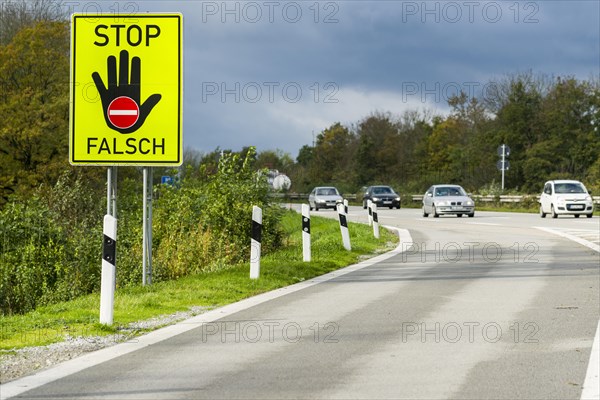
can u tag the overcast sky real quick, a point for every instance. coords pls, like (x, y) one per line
(272, 73)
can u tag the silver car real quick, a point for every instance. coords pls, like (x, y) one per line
(447, 199)
(324, 197)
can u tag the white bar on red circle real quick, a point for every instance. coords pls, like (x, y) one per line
(122, 112)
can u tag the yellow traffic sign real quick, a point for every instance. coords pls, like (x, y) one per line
(126, 89)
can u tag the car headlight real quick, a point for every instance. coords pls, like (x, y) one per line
(397, 198)
(443, 203)
(375, 198)
(470, 203)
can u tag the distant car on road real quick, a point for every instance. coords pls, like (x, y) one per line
(383, 196)
(566, 197)
(324, 197)
(447, 199)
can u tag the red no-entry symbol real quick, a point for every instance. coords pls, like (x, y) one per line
(123, 112)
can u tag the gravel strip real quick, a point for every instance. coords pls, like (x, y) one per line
(18, 363)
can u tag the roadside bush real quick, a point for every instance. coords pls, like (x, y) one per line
(49, 247)
(51, 243)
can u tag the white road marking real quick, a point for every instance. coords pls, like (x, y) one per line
(569, 236)
(19, 386)
(591, 385)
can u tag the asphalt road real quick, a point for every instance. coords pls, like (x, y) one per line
(501, 306)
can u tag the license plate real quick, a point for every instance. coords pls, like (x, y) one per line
(577, 207)
(387, 202)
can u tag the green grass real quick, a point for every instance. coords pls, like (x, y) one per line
(80, 317)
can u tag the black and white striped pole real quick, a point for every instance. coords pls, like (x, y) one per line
(346, 206)
(305, 232)
(109, 268)
(375, 221)
(370, 211)
(255, 246)
(344, 227)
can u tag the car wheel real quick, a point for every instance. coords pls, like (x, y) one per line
(459, 215)
(435, 214)
(424, 213)
(471, 215)
(589, 215)
(391, 207)
(554, 214)
(576, 215)
(364, 204)
(542, 213)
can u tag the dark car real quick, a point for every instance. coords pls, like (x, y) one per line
(383, 196)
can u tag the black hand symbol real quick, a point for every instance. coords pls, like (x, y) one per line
(124, 89)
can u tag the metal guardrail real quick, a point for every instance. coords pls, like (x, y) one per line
(503, 198)
(419, 197)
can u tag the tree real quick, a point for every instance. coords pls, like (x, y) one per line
(275, 159)
(377, 149)
(517, 104)
(16, 15)
(333, 155)
(34, 103)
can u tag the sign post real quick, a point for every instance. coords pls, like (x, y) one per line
(503, 164)
(126, 107)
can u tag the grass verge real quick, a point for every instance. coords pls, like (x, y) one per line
(281, 268)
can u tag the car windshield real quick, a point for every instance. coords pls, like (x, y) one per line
(327, 192)
(569, 188)
(449, 191)
(382, 190)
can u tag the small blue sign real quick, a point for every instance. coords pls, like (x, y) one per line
(166, 180)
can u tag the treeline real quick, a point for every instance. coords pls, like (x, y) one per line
(550, 125)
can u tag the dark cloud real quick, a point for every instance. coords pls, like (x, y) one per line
(370, 53)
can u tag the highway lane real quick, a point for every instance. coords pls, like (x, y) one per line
(484, 307)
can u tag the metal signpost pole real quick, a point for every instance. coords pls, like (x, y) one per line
(503, 164)
(149, 272)
(144, 224)
(147, 228)
(99, 131)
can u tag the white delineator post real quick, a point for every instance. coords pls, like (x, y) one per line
(346, 206)
(375, 221)
(370, 211)
(344, 227)
(109, 268)
(305, 232)
(255, 246)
